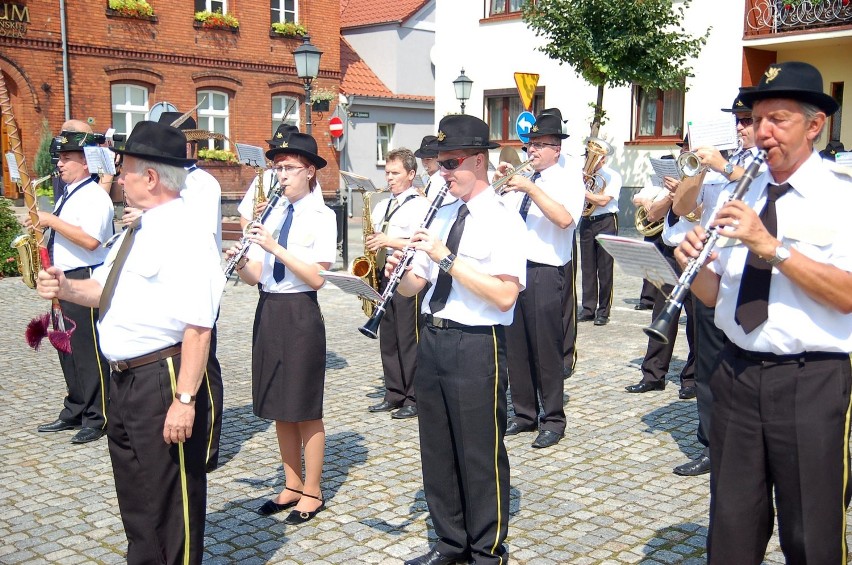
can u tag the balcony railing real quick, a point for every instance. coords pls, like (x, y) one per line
(769, 17)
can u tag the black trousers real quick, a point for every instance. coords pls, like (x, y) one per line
(779, 426)
(647, 294)
(161, 488)
(658, 356)
(569, 309)
(399, 332)
(461, 404)
(85, 369)
(709, 341)
(534, 345)
(596, 265)
(215, 389)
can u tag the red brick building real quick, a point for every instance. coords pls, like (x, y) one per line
(111, 70)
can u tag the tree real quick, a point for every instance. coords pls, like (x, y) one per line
(616, 42)
(41, 163)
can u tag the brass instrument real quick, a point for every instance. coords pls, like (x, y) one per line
(689, 164)
(596, 151)
(367, 265)
(500, 184)
(27, 244)
(644, 226)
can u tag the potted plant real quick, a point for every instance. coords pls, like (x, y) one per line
(216, 20)
(217, 155)
(131, 9)
(288, 29)
(321, 98)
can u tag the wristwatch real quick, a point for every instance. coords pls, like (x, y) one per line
(184, 397)
(446, 263)
(729, 168)
(781, 255)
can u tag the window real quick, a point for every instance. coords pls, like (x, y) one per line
(384, 135)
(281, 104)
(284, 11)
(129, 106)
(213, 115)
(501, 7)
(211, 6)
(834, 121)
(658, 113)
(502, 109)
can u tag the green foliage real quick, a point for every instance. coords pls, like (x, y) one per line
(10, 228)
(320, 94)
(289, 29)
(216, 20)
(131, 8)
(41, 163)
(217, 155)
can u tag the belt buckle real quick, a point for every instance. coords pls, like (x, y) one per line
(118, 366)
(439, 322)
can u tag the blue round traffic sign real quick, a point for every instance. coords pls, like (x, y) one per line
(524, 124)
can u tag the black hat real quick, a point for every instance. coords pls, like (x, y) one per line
(685, 142)
(832, 148)
(548, 122)
(73, 141)
(299, 144)
(157, 142)
(738, 105)
(794, 80)
(461, 131)
(166, 118)
(427, 148)
(281, 134)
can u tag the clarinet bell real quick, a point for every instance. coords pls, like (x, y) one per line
(371, 328)
(658, 329)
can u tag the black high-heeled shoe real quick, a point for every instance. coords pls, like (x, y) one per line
(295, 517)
(271, 507)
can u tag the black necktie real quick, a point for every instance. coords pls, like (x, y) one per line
(120, 258)
(278, 268)
(445, 281)
(525, 203)
(753, 298)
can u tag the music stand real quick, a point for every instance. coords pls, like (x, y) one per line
(357, 182)
(251, 155)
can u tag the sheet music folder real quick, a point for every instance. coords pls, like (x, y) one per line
(639, 259)
(351, 284)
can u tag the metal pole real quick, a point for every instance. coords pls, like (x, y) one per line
(65, 81)
(308, 106)
(462, 106)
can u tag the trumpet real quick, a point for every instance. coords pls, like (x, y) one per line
(689, 164)
(499, 185)
(371, 328)
(659, 327)
(245, 242)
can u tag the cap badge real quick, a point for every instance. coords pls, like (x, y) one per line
(279, 135)
(771, 74)
(441, 136)
(535, 128)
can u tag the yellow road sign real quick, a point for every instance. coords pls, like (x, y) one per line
(526, 87)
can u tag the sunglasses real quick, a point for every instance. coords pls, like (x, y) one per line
(745, 121)
(453, 164)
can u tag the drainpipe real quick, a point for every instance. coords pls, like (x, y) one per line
(65, 82)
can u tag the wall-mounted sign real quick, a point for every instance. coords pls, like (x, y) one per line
(359, 114)
(14, 19)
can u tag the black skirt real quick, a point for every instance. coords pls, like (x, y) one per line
(288, 357)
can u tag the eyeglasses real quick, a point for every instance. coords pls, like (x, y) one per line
(289, 169)
(745, 121)
(453, 164)
(540, 145)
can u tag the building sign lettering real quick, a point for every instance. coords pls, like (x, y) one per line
(14, 19)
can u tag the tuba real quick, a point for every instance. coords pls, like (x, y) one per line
(367, 265)
(27, 244)
(644, 226)
(596, 151)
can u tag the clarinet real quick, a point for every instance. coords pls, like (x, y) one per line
(659, 327)
(371, 328)
(245, 242)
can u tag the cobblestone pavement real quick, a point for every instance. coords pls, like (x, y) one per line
(605, 494)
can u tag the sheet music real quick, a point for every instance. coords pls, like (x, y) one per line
(843, 159)
(719, 131)
(14, 173)
(351, 284)
(639, 259)
(664, 168)
(357, 182)
(250, 155)
(101, 160)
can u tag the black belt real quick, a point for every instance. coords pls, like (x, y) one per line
(761, 357)
(136, 362)
(443, 323)
(81, 269)
(599, 217)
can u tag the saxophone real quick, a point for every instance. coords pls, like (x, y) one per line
(259, 194)
(27, 244)
(367, 265)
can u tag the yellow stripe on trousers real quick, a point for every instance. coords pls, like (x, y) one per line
(212, 416)
(497, 446)
(845, 478)
(100, 368)
(184, 494)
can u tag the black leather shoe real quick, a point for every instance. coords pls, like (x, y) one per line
(686, 393)
(646, 387)
(641, 306)
(433, 558)
(296, 517)
(515, 428)
(700, 466)
(384, 406)
(58, 426)
(601, 321)
(271, 507)
(405, 412)
(546, 438)
(85, 435)
(585, 318)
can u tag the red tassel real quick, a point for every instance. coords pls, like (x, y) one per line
(37, 330)
(61, 341)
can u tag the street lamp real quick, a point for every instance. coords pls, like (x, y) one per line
(462, 86)
(307, 68)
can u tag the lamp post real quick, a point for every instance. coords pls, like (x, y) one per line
(462, 86)
(307, 58)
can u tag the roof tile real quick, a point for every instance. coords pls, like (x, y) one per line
(357, 13)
